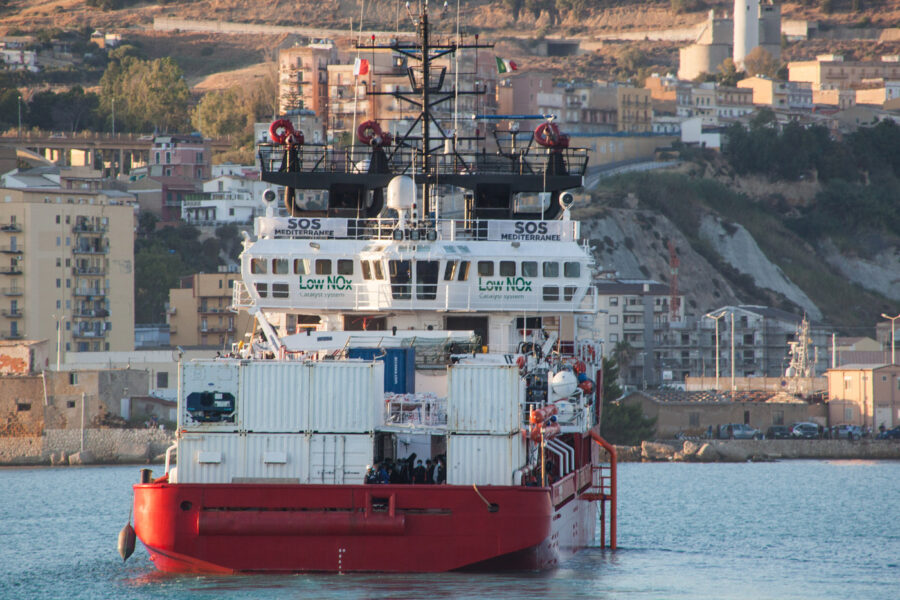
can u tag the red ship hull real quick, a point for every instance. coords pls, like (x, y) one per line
(229, 528)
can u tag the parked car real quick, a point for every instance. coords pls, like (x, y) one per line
(890, 434)
(848, 432)
(739, 431)
(807, 431)
(778, 432)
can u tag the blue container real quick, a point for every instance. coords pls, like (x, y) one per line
(399, 366)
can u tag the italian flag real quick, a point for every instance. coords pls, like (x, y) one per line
(505, 66)
(360, 67)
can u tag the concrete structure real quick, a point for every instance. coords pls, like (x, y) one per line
(67, 261)
(160, 365)
(200, 313)
(754, 24)
(691, 413)
(517, 94)
(866, 395)
(783, 95)
(23, 358)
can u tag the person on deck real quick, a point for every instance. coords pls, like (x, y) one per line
(419, 473)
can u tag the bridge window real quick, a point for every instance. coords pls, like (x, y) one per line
(323, 266)
(301, 266)
(280, 290)
(551, 269)
(551, 292)
(426, 279)
(569, 292)
(529, 268)
(258, 266)
(572, 269)
(376, 268)
(366, 269)
(279, 266)
(262, 289)
(507, 268)
(401, 278)
(485, 268)
(345, 266)
(450, 270)
(464, 270)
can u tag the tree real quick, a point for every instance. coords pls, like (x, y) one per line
(760, 62)
(728, 73)
(149, 95)
(630, 59)
(623, 353)
(621, 423)
(221, 114)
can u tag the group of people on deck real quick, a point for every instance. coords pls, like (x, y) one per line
(408, 470)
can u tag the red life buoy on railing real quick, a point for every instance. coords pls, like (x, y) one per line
(281, 130)
(370, 134)
(548, 135)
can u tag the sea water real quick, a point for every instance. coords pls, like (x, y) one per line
(792, 529)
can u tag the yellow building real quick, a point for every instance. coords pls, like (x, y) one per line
(635, 109)
(67, 257)
(200, 312)
(866, 395)
(831, 71)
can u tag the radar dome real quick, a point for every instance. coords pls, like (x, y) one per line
(401, 193)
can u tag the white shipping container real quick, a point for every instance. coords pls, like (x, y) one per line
(484, 459)
(346, 396)
(275, 396)
(485, 399)
(209, 376)
(274, 458)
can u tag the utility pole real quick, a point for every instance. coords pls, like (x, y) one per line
(716, 319)
(20, 115)
(732, 356)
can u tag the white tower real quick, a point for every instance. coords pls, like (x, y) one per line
(746, 30)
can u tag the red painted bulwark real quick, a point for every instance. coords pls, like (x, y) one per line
(404, 528)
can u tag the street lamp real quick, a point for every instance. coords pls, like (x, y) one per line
(893, 344)
(716, 319)
(19, 100)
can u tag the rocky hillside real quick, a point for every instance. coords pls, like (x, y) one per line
(732, 249)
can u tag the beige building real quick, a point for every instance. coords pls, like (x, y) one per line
(867, 395)
(635, 110)
(692, 413)
(67, 260)
(200, 312)
(831, 71)
(303, 77)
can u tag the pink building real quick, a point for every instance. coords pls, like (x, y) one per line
(185, 156)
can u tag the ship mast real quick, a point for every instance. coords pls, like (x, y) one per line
(427, 93)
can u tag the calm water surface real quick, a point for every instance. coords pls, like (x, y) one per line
(794, 529)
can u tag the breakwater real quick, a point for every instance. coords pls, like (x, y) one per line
(92, 446)
(758, 450)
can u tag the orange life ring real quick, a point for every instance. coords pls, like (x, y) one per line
(281, 130)
(548, 135)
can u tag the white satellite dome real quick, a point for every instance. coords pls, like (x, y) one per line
(401, 193)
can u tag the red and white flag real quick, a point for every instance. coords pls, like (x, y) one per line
(360, 67)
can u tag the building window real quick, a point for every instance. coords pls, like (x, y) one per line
(258, 266)
(551, 269)
(778, 417)
(551, 292)
(70, 404)
(613, 300)
(162, 380)
(58, 241)
(529, 268)
(572, 269)
(280, 290)
(73, 378)
(57, 219)
(301, 266)
(694, 419)
(613, 319)
(59, 283)
(279, 267)
(507, 268)
(262, 289)
(569, 292)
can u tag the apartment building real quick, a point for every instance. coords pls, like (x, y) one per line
(66, 261)
(832, 72)
(303, 77)
(200, 313)
(866, 395)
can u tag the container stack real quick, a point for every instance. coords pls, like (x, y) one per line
(278, 422)
(484, 420)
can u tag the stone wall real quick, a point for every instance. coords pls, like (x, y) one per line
(135, 446)
(766, 450)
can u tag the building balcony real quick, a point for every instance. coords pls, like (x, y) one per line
(10, 270)
(89, 250)
(11, 313)
(90, 314)
(216, 329)
(10, 250)
(90, 292)
(90, 334)
(12, 335)
(89, 271)
(89, 228)
(10, 228)
(13, 291)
